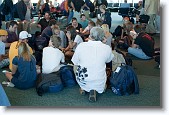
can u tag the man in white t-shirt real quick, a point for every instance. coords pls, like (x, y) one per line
(90, 58)
(52, 56)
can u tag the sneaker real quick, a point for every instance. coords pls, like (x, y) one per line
(10, 85)
(82, 92)
(92, 96)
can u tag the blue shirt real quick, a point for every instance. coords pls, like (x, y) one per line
(2, 48)
(25, 75)
(84, 23)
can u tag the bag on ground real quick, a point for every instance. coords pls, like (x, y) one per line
(48, 83)
(67, 76)
(124, 81)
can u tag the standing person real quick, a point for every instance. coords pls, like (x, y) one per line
(105, 16)
(54, 54)
(4, 61)
(39, 7)
(77, 5)
(13, 50)
(71, 13)
(44, 22)
(7, 10)
(23, 74)
(91, 58)
(45, 7)
(12, 36)
(151, 8)
(21, 10)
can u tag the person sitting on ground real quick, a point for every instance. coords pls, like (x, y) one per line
(61, 34)
(89, 61)
(84, 22)
(47, 32)
(52, 56)
(105, 16)
(13, 50)
(108, 35)
(23, 74)
(12, 37)
(86, 31)
(142, 45)
(44, 22)
(4, 61)
(73, 41)
(76, 25)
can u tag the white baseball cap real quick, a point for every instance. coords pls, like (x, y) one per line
(24, 35)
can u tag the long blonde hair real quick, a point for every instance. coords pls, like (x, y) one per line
(23, 51)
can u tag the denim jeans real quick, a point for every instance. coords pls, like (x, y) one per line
(138, 53)
(71, 13)
(8, 17)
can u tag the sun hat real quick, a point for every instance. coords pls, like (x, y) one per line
(3, 32)
(24, 35)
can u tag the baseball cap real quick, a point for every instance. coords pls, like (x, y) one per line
(3, 32)
(24, 35)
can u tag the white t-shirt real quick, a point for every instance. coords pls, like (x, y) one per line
(51, 59)
(91, 58)
(78, 39)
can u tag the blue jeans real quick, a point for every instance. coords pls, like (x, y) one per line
(138, 53)
(8, 17)
(71, 13)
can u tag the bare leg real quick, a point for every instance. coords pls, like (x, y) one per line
(9, 75)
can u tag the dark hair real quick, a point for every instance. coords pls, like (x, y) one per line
(72, 31)
(12, 23)
(92, 23)
(74, 19)
(82, 15)
(52, 22)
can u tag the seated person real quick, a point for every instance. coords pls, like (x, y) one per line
(53, 54)
(105, 16)
(23, 74)
(90, 59)
(84, 22)
(12, 37)
(73, 41)
(4, 61)
(44, 22)
(108, 35)
(86, 31)
(47, 32)
(61, 34)
(13, 50)
(142, 45)
(76, 25)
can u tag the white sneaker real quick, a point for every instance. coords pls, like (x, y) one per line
(10, 84)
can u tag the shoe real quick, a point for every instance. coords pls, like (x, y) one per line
(92, 96)
(82, 92)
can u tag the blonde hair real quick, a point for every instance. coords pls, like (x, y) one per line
(105, 27)
(55, 27)
(23, 51)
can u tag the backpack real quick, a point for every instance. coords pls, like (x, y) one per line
(67, 76)
(124, 81)
(117, 31)
(40, 43)
(48, 83)
(144, 18)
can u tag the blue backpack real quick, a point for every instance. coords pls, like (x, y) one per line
(67, 76)
(124, 81)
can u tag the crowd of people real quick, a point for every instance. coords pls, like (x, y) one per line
(85, 43)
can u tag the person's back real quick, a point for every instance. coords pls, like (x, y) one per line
(13, 50)
(91, 58)
(21, 9)
(53, 54)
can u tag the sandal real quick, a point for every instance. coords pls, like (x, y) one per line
(82, 92)
(92, 96)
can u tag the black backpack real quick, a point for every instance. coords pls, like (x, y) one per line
(124, 81)
(48, 83)
(40, 43)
